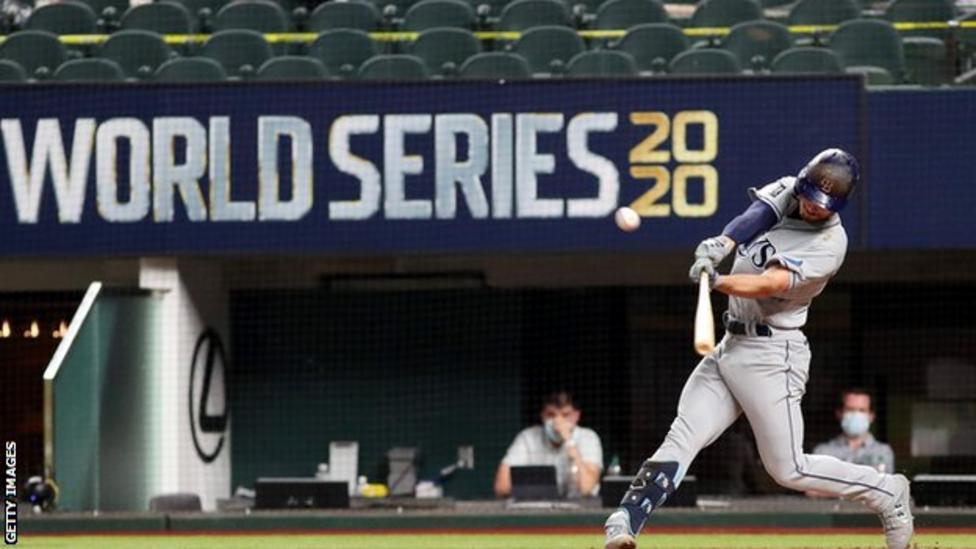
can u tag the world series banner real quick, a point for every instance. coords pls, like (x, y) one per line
(436, 167)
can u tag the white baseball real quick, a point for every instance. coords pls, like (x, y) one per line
(627, 219)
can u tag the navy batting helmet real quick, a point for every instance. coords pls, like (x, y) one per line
(829, 179)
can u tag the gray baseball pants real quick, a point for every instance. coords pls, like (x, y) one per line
(765, 378)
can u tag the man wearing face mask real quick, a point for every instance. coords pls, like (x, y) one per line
(856, 444)
(574, 451)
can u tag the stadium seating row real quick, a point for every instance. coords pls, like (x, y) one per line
(870, 47)
(191, 16)
(484, 65)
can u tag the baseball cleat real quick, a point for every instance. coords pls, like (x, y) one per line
(897, 520)
(619, 535)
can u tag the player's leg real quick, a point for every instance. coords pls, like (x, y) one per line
(769, 391)
(705, 410)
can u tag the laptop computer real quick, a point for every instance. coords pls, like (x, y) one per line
(300, 493)
(534, 483)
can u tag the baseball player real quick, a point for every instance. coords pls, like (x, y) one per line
(790, 243)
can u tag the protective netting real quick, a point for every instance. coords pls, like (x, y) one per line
(396, 265)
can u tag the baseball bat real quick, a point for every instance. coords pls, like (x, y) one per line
(704, 321)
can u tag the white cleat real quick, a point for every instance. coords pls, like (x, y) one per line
(619, 534)
(897, 520)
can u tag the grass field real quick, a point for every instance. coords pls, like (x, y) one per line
(493, 541)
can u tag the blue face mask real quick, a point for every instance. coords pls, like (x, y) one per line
(855, 424)
(551, 434)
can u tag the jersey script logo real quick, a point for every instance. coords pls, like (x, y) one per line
(759, 252)
(208, 356)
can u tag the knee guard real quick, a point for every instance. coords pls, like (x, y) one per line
(650, 489)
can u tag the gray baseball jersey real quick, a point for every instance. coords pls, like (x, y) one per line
(813, 253)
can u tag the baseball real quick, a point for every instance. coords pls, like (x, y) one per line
(627, 219)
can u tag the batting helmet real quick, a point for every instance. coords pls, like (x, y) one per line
(829, 179)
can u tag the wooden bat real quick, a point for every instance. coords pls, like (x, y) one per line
(704, 321)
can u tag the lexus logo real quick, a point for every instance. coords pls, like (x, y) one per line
(208, 398)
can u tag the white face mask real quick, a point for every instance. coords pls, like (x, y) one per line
(551, 434)
(855, 424)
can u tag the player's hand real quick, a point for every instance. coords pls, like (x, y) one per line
(715, 249)
(703, 265)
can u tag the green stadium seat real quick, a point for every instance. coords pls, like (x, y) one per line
(345, 15)
(257, 15)
(109, 10)
(549, 49)
(865, 43)
(38, 52)
(926, 55)
(705, 61)
(922, 11)
(190, 69)
(873, 76)
(967, 37)
(626, 14)
(297, 10)
(342, 51)
(490, 8)
(600, 63)
(395, 7)
(823, 12)
(161, 17)
(89, 70)
(808, 60)
(926, 61)
(444, 50)
(240, 51)
(292, 67)
(522, 15)
(11, 71)
(138, 52)
(430, 14)
(204, 11)
(584, 11)
(756, 43)
(654, 45)
(66, 17)
(496, 65)
(393, 67)
(725, 13)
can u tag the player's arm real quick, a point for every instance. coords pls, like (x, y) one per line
(772, 281)
(503, 480)
(758, 218)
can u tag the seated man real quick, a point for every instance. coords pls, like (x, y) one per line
(856, 444)
(575, 451)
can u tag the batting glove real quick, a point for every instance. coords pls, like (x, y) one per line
(714, 249)
(703, 265)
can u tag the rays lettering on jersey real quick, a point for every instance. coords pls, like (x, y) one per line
(759, 252)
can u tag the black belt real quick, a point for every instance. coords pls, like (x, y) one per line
(737, 327)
